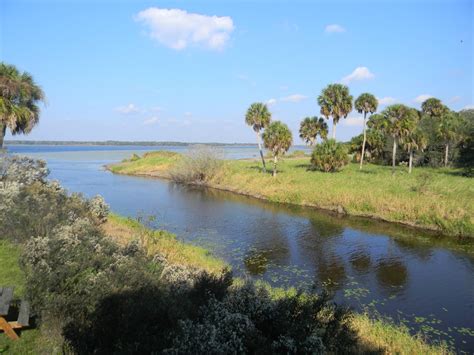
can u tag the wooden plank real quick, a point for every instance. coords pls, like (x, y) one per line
(7, 328)
(5, 299)
(24, 314)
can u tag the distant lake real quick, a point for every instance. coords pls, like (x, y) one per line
(423, 279)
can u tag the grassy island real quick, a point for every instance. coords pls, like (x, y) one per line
(435, 199)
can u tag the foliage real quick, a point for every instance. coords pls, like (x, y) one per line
(198, 165)
(258, 116)
(433, 107)
(277, 138)
(336, 102)
(366, 103)
(311, 128)
(19, 98)
(329, 156)
(373, 148)
(466, 150)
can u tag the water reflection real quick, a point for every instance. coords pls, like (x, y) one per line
(392, 275)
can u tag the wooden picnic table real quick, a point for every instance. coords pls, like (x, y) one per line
(6, 296)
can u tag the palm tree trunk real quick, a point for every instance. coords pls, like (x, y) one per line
(410, 162)
(446, 150)
(261, 152)
(274, 166)
(394, 154)
(333, 130)
(3, 130)
(363, 145)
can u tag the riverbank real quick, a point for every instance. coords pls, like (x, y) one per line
(432, 199)
(372, 333)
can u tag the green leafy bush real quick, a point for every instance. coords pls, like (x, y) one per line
(329, 156)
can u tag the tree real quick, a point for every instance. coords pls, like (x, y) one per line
(19, 98)
(311, 127)
(277, 138)
(397, 121)
(374, 146)
(365, 103)
(258, 117)
(433, 107)
(448, 131)
(336, 102)
(414, 141)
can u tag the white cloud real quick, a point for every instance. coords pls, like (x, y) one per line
(156, 108)
(420, 98)
(468, 107)
(353, 121)
(151, 120)
(128, 109)
(334, 28)
(294, 98)
(386, 100)
(455, 99)
(188, 114)
(271, 102)
(179, 29)
(359, 73)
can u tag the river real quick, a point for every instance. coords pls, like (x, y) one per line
(424, 280)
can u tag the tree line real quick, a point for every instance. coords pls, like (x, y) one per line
(398, 125)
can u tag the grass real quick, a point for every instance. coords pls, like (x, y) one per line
(387, 337)
(436, 199)
(124, 230)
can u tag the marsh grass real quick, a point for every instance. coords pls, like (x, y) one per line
(123, 230)
(436, 199)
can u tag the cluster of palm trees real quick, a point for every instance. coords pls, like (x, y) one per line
(19, 99)
(399, 122)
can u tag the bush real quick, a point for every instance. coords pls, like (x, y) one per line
(200, 164)
(329, 156)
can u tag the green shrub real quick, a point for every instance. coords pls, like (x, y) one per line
(329, 156)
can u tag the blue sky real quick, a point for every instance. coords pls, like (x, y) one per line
(188, 70)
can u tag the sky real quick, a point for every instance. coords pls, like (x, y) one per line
(187, 70)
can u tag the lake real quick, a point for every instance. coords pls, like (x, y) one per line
(411, 276)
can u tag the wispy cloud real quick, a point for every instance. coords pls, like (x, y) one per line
(455, 99)
(127, 109)
(178, 29)
(334, 28)
(353, 121)
(386, 100)
(151, 120)
(271, 102)
(468, 107)
(294, 98)
(359, 73)
(421, 98)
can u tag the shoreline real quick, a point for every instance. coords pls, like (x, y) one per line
(340, 211)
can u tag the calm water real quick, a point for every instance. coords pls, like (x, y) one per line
(425, 280)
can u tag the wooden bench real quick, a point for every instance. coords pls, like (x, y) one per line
(6, 296)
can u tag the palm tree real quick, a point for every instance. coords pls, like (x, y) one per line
(19, 98)
(277, 138)
(258, 117)
(311, 127)
(433, 107)
(414, 141)
(397, 121)
(448, 131)
(365, 103)
(336, 102)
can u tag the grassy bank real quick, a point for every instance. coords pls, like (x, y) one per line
(374, 334)
(436, 199)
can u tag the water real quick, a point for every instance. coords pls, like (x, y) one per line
(425, 280)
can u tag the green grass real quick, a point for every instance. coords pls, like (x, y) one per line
(436, 199)
(123, 230)
(10, 272)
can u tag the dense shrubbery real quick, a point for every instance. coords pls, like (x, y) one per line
(104, 298)
(198, 165)
(329, 156)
